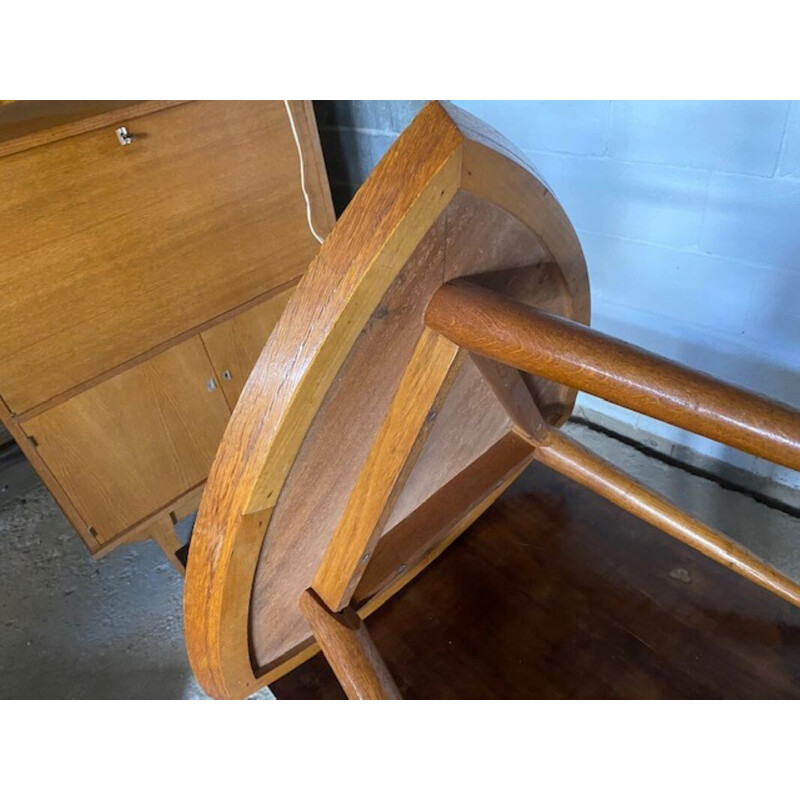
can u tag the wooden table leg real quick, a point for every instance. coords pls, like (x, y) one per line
(350, 651)
(584, 467)
(162, 532)
(561, 350)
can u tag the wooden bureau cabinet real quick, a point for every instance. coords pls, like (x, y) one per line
(141, 280)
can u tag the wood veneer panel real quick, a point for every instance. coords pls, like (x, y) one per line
(470, 422)
(235, 345)
(131, 444)
(109, 251)
(420, 536)
(25, 124)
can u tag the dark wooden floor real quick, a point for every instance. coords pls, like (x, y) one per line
(555, 593)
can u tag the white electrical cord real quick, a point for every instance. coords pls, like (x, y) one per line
(302, 173)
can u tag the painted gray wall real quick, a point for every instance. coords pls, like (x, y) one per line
(689, 215)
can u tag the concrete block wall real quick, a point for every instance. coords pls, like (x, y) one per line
(689, 216)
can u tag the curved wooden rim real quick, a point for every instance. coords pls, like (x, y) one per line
(444, 150)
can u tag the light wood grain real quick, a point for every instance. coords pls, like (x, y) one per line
(97, 239)
(416, 402)
(543, 288)
(350, 651)
(514, 396)
(175, 510)
(186, 504)
(48, 479)
(313, 500)
(234, 346)
(110, 250)
(25, 124)
(129, 445)
(190, 333)
(470, 421)
(419, 537)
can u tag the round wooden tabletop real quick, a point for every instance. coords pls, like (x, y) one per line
(363, 442)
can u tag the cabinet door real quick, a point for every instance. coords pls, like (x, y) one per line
(234, 346)
(108, 250)
(128, 446)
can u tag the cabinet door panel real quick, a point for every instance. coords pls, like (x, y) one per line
(110, 250)
(128, 446)
(234, 346)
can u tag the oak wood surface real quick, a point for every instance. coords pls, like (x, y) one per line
(415, 405)
(132, 443)
(62, 499)
(25, 124)
(554, 592)
(97, 232)
(110, 250)
(235, 345)
(469, 423)
(418, 537)
(352, 271)
(350, 651)
(514, 395)
(207, 326)
(148, 528)
(247, 570)
(313, 498)
(562, 350)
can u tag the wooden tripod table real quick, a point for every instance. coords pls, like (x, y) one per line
(429, 354)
